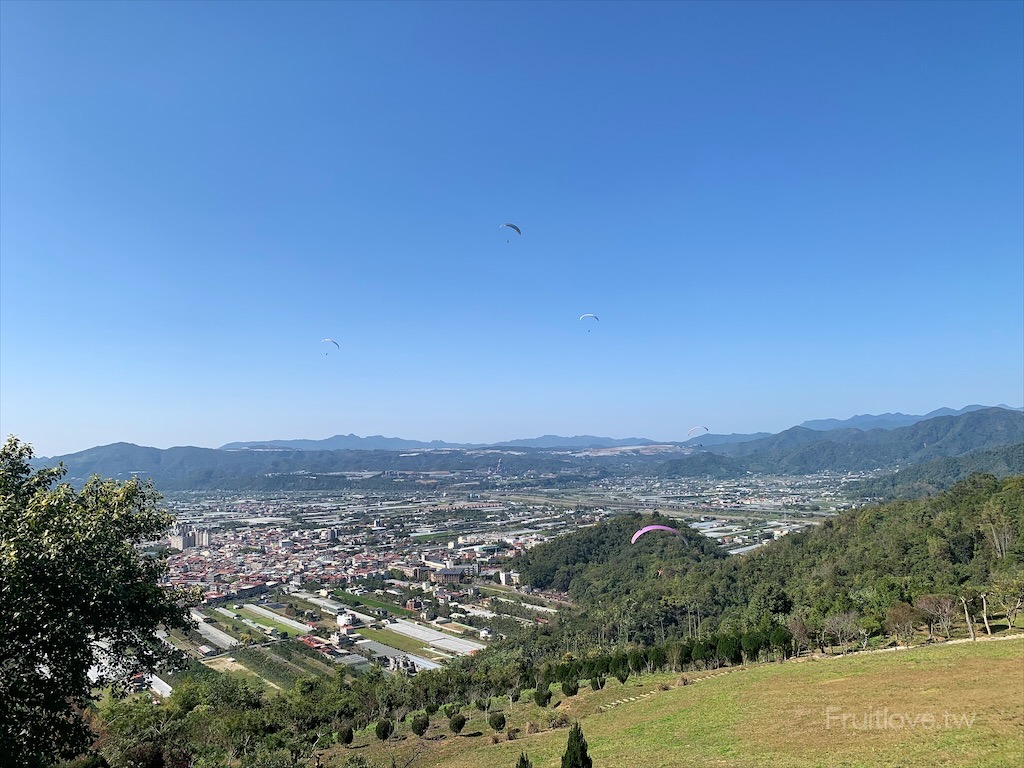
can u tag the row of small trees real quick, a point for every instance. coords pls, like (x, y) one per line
(421, 722)
(936, 613)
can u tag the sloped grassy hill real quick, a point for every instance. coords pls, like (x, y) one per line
(950, 705)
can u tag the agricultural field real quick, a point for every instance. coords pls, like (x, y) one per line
(361, 602)
(401, 642)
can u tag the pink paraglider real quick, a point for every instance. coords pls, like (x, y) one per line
(645, 529)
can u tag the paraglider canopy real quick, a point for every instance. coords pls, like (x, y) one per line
(331, 341)
(513, 226)
(696, 429)
(648, 528)
(590, 315)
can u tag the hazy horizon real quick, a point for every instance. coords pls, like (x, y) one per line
(779, 212)
(497, 441)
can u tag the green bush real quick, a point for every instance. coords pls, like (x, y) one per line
(420, 723)
(561, 720)
(456, 724)
(345, 735)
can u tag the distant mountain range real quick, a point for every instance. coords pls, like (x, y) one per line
(352, 442)
(802, 451)
(891, 420)
(289, 465)
(348, 442)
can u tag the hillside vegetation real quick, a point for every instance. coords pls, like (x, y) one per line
(940, 474)
(646, 614)
(801, 451)
(864, 560)
(957, 705)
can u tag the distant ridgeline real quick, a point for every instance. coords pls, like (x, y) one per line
(979, 439)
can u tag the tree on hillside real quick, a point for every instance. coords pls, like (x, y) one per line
(496, 721)
(523, 761)
(457, 723)
(420, 723)
(841, 627)
(345, 735)
(780, 640)
(576, 750)
(866, 627)
(752, 642)
(997, 524)
(937, 610)
(1008, 591)
(901, 621)
(76, 594)
(801, 633)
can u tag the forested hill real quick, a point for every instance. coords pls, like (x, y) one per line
(940, 474)
(864, 559)
(191, 468)
(892, 420)
(801, 451)
(603, 557)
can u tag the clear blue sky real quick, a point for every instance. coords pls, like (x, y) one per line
(779, 211)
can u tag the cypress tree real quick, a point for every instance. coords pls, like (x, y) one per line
(576, 750)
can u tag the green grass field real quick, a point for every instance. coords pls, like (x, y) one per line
(401, 642)
(267, 622)
(944, 705)
(355, 601)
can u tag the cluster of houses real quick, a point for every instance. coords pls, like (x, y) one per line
(240, 563)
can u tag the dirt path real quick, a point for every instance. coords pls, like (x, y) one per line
(980, 639)
(228, 664)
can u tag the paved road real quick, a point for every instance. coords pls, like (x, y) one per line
(380, 649)
(214, 635)
(435, 638)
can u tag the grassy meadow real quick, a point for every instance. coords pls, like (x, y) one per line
(960, 704)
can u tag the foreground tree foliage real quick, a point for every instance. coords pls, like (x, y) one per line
(76, 594)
